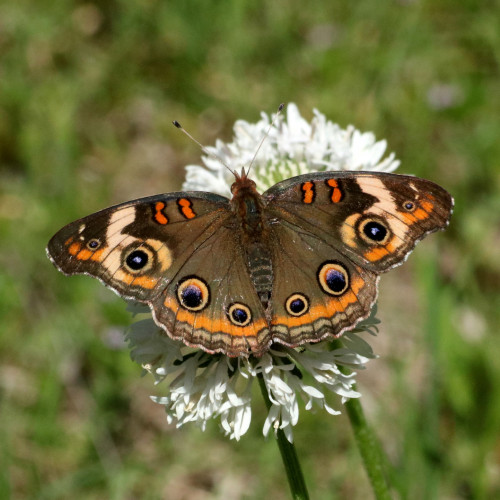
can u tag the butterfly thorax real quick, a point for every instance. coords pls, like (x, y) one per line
(248, 207)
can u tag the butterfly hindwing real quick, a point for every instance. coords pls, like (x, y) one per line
(211, 301)
(317, 291)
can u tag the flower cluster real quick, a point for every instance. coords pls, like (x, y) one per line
(201, 386)
(292, 147)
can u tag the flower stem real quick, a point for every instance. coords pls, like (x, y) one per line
(288, 455)
(369, 448)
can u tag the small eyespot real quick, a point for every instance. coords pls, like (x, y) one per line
(93, 244)
(374, 231)
(333, 278)
(239, 314)
(193, 293)
(409, 206)
(297, 304)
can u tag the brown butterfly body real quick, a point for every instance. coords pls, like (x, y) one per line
(296, 264)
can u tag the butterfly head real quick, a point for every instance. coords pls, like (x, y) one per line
(242, 183)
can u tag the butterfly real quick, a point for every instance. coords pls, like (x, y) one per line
(296, 264)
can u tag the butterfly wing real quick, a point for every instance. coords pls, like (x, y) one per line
(317, 290)
(134, 247)
(169, 251)
(375, 219)
(328, 237)
(331, 234)
(212, 302)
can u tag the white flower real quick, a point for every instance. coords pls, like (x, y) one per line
(200, 386)
(292, 147)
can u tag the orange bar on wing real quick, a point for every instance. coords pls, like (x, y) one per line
(84, 254)
(336, 193)
(74, 248)
(143, 281)
(376, 254)
(185, 206)
(202, 321)
(308, 188)
(159, 215)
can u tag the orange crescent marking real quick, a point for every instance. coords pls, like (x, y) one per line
(159, 216)
(308, 188)
(198, 320)
(334, 305)
(427, 207)
(376, 254)
(141, 281)
(421, 214)
(84, 254)
(185, 206)
(379, 252)
(336, 193)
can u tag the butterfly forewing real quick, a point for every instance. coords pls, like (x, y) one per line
(375, 219)
(135, 247)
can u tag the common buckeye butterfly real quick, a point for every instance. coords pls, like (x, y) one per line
(297, 264)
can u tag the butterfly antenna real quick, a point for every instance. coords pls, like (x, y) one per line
(266, 135)
(203, 148)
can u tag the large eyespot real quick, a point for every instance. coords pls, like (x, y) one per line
(374, 231)
(333, 278)
(138, 259)
(239, 314)
(93, 244)
(297, 304)
(193, 293)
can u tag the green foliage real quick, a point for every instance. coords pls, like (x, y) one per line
(87, 95)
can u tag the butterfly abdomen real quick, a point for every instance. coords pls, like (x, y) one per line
(261, 271)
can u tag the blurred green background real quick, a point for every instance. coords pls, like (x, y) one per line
(88, 91)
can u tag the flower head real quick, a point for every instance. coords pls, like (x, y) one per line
(201, 386)
(293, 147)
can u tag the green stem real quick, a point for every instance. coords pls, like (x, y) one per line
(288, 455)
(369, 448)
